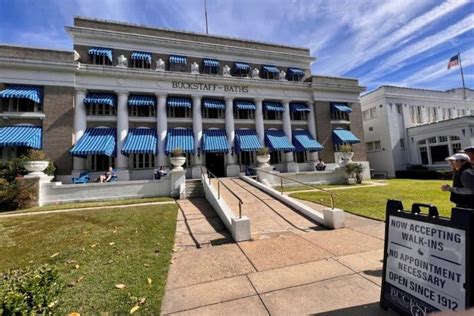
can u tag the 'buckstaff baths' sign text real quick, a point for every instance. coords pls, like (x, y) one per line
(209, 87)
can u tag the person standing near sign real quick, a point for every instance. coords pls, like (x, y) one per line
(462, 191)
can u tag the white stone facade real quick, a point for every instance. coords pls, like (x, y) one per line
(389, 113)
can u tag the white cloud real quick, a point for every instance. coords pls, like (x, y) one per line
(402, 57)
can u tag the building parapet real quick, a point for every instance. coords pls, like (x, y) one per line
(20, 52)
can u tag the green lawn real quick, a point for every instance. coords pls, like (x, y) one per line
(94, 250)
(322, 186)
(54, 207)
(371, 201)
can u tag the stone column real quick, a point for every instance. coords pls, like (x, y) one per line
(232, 170)
(259, 127)
(161, 129)
(197, 130)
(291, 166)
(314, 156)
(80, 126)
(121, 161)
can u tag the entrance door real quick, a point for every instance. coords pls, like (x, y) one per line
(215, 163)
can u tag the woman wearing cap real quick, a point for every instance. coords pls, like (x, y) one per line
(462, 191)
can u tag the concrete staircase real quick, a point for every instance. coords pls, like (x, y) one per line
(194, 188)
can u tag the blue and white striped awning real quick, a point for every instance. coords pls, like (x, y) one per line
(244, 105)
(101, 51)
(241, 66)
(270, 69)
(142, 100)
(246, 140)
(293, 71)
(141, 56)
(182, 138)
(179, 102)
(304, 141)
(22, 92)
(100, 98)
(299, 107)
(140, 141)
(211, 63)
(273, 106)
(214, 141)
(175, 59)
(341, 107)
(342, 136)
(213, 104)
(96, 141)
(21, 136)
(276, 140)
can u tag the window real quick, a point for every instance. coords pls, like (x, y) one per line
(399, 108)
(432, 140)
(100, 109)
(424, 155)
(444, 114)
(141, 111)
(419, 118)
(101, 60)
(210, 66)
(450, 113)
(412, 115)
(455, 138)
(373, 113)
(338, 115)
(456, 147)
(374, 146)
(212, 113)
(371, 129)
(100, 162)
(8, 153)
(246, 158)
(299, 116)
(422, 142)
(271, 115)
(142, 161)
(435, 114)
(443, 139)
(141, 63)
(275, 157)
(301, 156)
(402, 143)
(367, 114)
(20, 105)
(178, 112)
(244, 114)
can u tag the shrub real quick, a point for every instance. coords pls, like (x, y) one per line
(345, 148)
(30, 291)
(18, 194)
(177, 152)
(423, 174)
(13, 168)
(354, 170)
(34, 155)
(263, 151)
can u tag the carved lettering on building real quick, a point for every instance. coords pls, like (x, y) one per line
(209, 87)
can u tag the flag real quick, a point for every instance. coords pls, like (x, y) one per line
(454, 61)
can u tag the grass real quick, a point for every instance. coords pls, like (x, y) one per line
(94, 251)
(371, 201)
(322, 186)
(66, 206)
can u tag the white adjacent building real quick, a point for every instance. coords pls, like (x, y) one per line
(406, 126)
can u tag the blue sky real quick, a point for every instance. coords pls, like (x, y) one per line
(402, 42)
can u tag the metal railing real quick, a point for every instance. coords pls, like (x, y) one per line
(332, 194)
(219, 182)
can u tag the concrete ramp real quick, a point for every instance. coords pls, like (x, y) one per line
(266, 214)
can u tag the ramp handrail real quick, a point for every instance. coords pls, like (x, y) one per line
(332, 194)
(219, 182)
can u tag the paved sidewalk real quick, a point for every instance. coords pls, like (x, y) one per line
(324, 272)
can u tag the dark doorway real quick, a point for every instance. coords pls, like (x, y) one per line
(215, 163)
(439, 153)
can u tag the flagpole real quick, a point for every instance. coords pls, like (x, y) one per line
(462, 76)
(205, 15)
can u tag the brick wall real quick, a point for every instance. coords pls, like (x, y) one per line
(35, 53)
(324, 130)
(360, 150)
(58, 126)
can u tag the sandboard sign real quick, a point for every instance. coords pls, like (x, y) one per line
(427, 260)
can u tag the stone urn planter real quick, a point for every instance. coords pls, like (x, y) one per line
(177, 159)
(36, 167)
(263, 160)
(347, 157)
